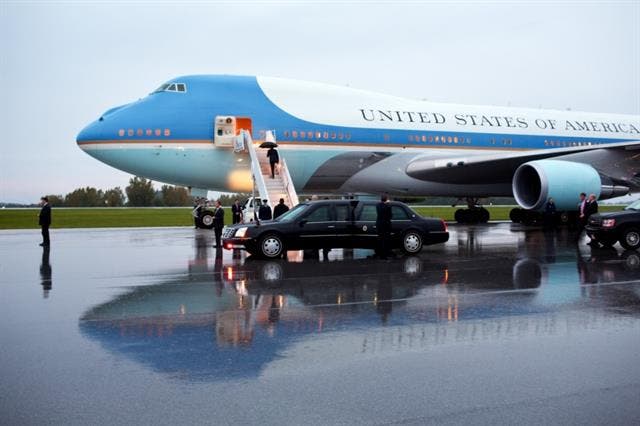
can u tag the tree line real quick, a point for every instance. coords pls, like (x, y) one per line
(139, 193)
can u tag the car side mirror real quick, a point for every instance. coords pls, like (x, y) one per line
(302, 222)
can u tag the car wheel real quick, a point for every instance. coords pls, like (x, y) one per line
(207, 220)
(412, 242)
(271, 246)
(630, 238)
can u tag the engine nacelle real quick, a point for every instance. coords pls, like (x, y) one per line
(537, 181)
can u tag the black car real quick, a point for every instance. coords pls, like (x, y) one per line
(331, 224)
(623, 226)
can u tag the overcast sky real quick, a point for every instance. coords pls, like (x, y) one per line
(63, 64)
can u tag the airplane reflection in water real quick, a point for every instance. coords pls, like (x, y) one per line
(230, 318)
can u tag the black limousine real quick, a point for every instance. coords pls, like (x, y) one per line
(329, 224)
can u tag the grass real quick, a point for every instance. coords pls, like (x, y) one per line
(143, 217)
(98, 217)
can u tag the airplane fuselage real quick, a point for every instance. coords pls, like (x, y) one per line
(334, 139)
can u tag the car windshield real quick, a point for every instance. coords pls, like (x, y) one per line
(292, 214)
(634, 206)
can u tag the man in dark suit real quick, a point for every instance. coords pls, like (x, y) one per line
(265, 211)
(383, 225)
(44, 220)
(236, 211)
(218, 223)
(591, 207)
(274, 159)
(280, 209)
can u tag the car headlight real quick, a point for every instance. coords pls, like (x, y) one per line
(241, 232)
(608, 223)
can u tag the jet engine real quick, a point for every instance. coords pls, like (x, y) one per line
(537, 181)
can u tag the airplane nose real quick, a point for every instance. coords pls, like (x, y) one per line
(92, 132)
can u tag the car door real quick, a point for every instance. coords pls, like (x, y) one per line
(344, 224)
(365, 234)
(317, 228)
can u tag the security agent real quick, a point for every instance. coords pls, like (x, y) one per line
(44, 220)
(265, 211)
(383, 225)
(218, 223)
(236, 212)
(280, 209)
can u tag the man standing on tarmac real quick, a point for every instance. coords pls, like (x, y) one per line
(591, 207)
(264, 213)
(218, 223)
(582, 212)
(236, 211)
(44, 220)
(383, 225)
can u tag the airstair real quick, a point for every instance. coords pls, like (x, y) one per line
(281, 186)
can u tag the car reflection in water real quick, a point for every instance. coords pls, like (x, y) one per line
(229, 318)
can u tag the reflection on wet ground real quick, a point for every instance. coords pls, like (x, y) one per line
(178, 309)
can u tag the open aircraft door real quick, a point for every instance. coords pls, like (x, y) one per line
(227, 128)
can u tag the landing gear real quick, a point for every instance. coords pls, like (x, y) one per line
(526, 217)
(473, 214)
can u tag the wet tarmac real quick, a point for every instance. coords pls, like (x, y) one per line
(503, 324)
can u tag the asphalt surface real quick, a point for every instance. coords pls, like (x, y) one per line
(503, 324)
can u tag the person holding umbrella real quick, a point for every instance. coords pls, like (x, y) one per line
(274, 159)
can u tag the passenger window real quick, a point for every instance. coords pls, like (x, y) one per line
(342, 213)
(321, 214)
(398, 213)
(368, 213)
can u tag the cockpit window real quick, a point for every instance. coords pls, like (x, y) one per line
(172, 87)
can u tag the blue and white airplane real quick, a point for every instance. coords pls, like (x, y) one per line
(347, 141)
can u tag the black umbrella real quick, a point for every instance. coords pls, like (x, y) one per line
(268, 144)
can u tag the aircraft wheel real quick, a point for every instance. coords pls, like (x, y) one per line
(460, 216)
(412, 242)
(528, 217)
(484, 215)
(516, 215)
(630, 238)
(271, 246)
(207, 220)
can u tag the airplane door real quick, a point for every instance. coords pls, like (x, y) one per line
(227, 127)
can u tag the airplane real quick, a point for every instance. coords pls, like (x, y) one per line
(341, 140)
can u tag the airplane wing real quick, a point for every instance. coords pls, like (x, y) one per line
(500, 168)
